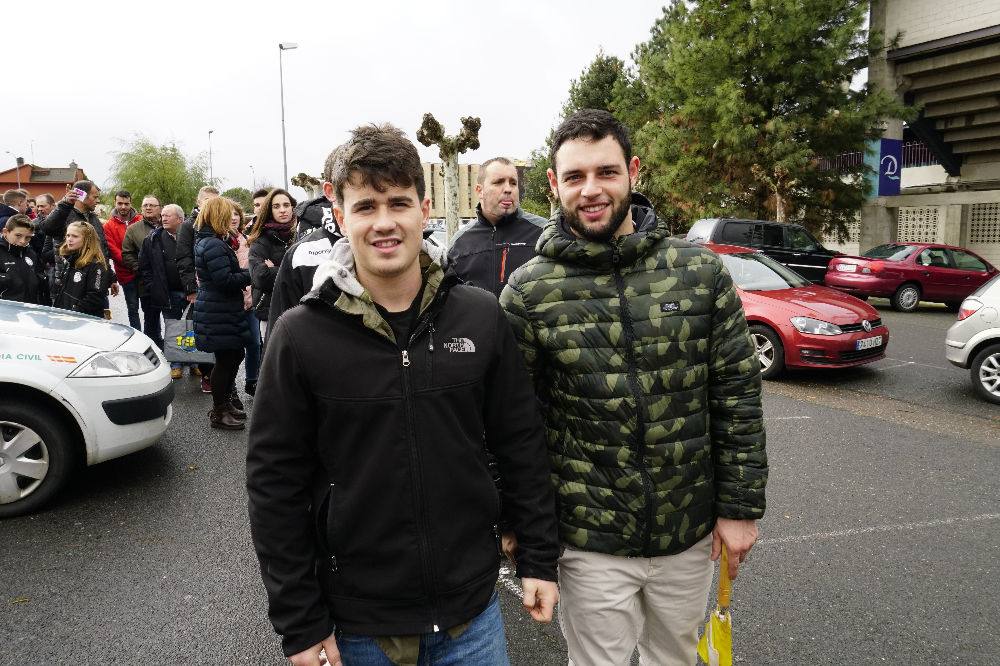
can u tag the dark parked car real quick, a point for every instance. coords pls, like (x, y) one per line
(908, 273)
(788, 244)
(797, 324)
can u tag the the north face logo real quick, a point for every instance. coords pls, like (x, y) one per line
(460, 345)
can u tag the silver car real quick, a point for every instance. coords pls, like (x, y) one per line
(973, 341)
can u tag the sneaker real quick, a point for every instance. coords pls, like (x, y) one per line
(234, 400)
(195, 371)
(222, 419)
(206, 384)
(176, 373)
(251, 388)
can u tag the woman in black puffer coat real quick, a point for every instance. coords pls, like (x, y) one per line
(81, 276)
(220, 322)
(272, 234)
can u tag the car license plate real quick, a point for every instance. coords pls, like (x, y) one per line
(847, 268)
(868, 343)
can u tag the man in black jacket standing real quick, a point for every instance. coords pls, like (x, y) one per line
(73, 208)
(485, 252)
(372, 510)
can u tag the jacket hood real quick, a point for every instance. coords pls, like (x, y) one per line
(7, 211)
(316, 212)
(559, 243)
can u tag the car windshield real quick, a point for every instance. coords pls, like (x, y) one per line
(890, 252)
(753, 271)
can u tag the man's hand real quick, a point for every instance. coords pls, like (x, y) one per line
(539, 598)
(114, 288)
(191, 297)
(310, 656)
(508, 544)
(70, 196)
(739, 537)
(269, 263)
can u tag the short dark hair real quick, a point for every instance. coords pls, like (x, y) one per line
(481, 178)
(19, 221)
(382, 156)
(593, 125)
(260, 192)
(124, 194)
(85, 185)
(13, 196)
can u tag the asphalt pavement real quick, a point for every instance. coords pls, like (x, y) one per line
(879, 544)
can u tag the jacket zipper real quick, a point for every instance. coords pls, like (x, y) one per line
(493, 249)
(415, 466)
(640, 424)
(503, 262)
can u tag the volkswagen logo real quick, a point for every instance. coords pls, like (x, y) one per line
(865, 324)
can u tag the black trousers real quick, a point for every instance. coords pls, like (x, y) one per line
(227, 364)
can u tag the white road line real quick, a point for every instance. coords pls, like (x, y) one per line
(786, 418)
(925, 365)
(507, 580)
(879, 528)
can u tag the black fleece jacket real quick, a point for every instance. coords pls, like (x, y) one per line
(295, 274)
(484, 255)
(80, 289)
(371, 504)
(21, 273)
(266, 247)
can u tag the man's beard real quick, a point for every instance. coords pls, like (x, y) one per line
(600, 234)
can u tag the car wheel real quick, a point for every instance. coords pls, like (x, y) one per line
(906, 298)
(985, 371)
(36, 458)
(770, 351)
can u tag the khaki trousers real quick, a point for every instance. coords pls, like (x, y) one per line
(608, 604)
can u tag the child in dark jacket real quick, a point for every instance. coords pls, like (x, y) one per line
(81, 277)
(20, 269)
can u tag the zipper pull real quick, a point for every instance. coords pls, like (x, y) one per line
(430, 346)
(333, 563)
(406, 359)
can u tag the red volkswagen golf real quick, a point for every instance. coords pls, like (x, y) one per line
(797, 324)
(908, 273)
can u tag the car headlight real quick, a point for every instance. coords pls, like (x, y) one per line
(114, 364)
(815, 326)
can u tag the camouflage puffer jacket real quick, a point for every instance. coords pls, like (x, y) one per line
(650, 387)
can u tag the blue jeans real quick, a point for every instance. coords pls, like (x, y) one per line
(131, 291)
(483, 643)
(252, 362)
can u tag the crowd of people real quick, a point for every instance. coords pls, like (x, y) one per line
(164, 263)
(604, 367)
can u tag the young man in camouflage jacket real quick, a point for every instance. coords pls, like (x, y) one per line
(650, 388)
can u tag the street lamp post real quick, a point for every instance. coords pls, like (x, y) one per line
(211, 173)
(20, 162)
(284, 46)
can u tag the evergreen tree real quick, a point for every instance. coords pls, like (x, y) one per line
(737, 101)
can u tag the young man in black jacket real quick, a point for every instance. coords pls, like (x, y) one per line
(503, 237)
(372, 510)
(20, 268)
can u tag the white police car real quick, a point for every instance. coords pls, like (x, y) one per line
(74, 390)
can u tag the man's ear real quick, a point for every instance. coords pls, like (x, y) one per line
(425, 209)
(328, 191)
(338, 214)
(633, 168)
(552, 183)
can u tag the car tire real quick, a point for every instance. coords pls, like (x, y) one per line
(906, 298)
(985, 373)
(770, 351)
(36, 473)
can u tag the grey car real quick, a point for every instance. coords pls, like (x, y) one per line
(973, 342)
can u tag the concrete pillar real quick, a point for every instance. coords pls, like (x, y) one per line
(950, 224)
(878, 225)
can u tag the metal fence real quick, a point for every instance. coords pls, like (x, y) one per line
(915, 154)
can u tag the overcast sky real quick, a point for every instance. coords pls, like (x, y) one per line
(91, 77)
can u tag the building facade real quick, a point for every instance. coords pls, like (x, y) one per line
(946, 62)
(41, 180)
